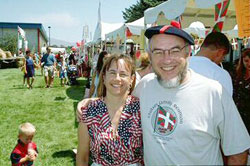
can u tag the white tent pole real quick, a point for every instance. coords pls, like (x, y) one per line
(145, 27)
(17, 42)
(125, 44)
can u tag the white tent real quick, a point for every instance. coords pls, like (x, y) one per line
(191, 10)
(134, 27)
(177, 7)
(197, 28)
(102, 29)
(54, 50)
(233, 33)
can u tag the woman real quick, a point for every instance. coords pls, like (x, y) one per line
(144, 67)
(95, 78)
(242, 87)
(110, 126)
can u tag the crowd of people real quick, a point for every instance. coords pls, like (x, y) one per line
(52, 65)
(164, 108)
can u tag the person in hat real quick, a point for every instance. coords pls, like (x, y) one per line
(187, 119)
(212, 52)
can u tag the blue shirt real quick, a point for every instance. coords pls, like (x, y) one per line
(48, 59)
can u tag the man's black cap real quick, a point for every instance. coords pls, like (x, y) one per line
(173, 29)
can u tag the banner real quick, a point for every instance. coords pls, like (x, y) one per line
(242, 8)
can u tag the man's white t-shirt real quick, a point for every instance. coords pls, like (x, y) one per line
(207, 68)
(137, 78)
(188, 124)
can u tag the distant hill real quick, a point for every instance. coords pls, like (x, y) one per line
(60, 43)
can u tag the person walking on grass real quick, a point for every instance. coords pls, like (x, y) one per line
(62, 70)
(29, 69)
(49, 63)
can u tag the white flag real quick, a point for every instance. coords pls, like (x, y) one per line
(25, 45)
(20, 44)
(98, 30)
(21, 32)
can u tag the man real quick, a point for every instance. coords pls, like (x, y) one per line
(186, 117)
(206, 62)
(49, 63)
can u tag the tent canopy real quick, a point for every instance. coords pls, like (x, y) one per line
(134, 27)
(104, 28)
(197, 28)
(191, 10)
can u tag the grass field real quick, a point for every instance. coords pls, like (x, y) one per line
(52, 111)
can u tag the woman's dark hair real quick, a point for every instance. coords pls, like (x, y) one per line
(240, 69)
(100, 61)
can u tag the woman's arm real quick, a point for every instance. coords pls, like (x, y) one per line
(82, 156)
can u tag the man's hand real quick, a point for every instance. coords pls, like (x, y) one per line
(81, 105)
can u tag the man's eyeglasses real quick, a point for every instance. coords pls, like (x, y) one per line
(173, 52)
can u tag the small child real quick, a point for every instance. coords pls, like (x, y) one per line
(29, 69)
(25, 152)
(62, 70)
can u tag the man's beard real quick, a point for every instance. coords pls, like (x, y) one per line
(176, 81)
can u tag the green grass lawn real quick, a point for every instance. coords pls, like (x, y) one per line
(52, 111)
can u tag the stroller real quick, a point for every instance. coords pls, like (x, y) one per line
(72, 74)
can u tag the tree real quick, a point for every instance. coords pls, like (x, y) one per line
(9, 43)
(136, 11)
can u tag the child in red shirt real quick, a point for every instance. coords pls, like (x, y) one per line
(25, 152)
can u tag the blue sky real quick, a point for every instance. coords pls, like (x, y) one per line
(66, 17)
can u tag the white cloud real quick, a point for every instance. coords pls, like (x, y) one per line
(63, 25)
(63, 20)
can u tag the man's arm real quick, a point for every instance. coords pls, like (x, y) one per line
(237, 159)
(81, 104)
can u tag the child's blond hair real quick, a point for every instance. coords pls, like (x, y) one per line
(27, 129)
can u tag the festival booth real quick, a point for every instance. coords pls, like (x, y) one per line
(102, 29)
(189, 11)
(128, 34)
